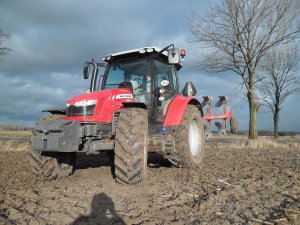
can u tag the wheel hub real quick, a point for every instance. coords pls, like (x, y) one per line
(194, 138)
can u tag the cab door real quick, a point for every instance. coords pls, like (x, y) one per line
(165, 87)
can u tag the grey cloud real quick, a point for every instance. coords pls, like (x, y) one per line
(52, 39)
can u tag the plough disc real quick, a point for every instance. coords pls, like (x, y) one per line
(222, 101)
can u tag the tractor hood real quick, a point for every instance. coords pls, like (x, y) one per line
(119, 93)
(98, 106)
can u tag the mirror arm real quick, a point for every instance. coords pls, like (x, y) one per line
(94, 76)
(86, 70)
(165, 48)
(102, 64)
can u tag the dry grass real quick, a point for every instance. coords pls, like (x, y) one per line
(15, 145)
(22, 141)
(10, 133)
(263, 142)
(238, 141)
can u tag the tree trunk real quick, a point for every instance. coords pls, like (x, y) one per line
(252, 117)
(276, 121)
(252, 103)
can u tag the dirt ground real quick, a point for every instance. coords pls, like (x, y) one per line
(233, 186)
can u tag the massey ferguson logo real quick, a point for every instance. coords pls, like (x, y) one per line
(120, 96)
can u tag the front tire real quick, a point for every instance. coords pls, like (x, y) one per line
(131, 144)
(51, 165)
(188, 140)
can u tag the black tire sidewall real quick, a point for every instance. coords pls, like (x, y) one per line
(64, 158)
(181, 155)
(125, 155)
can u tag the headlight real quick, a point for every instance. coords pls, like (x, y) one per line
(85, 102)
(142, 50)
(82, 108)
(149, 49)
(163, 90)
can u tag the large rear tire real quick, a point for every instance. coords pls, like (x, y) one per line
(51, 165)
(131, 143)
(189, 140)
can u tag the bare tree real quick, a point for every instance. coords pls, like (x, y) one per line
(279, 79)
(3, 50)
(238, 33)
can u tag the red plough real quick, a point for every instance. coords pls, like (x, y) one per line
(227, 114)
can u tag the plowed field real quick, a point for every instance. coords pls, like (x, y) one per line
(235, 185)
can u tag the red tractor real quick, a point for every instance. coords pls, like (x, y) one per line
(133, 109)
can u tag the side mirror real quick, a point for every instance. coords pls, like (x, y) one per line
(173, 56)
(86, 71)
(189, 90)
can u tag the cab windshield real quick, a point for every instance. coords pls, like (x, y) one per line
(138, 75)
(133, 71)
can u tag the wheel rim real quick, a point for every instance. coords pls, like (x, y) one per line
(194, 138)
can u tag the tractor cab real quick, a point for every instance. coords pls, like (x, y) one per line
(149, 73)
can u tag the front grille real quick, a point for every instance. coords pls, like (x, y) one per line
(80, 110)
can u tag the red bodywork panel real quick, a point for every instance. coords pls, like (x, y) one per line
(107, 104)
(176, 109)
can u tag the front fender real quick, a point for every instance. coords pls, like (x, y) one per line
(56, 111)
(134, 105)
(177, 108)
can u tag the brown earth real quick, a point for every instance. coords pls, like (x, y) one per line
(235, 185)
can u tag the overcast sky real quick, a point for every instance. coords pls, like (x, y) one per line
(50, 41)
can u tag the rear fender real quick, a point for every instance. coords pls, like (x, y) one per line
(177, 108)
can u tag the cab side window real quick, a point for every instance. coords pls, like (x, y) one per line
(167, 72)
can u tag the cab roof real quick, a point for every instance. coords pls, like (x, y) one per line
(134, 52)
